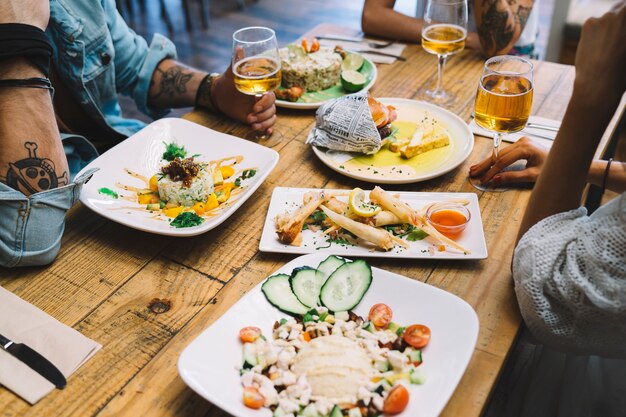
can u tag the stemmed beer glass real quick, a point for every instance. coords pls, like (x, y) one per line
(443, 34)
(256, 66)
(503, 101)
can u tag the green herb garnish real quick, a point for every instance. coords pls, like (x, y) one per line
(416, 234)
(173, 151)
(187, 219)
(108, 192)
(317, 217)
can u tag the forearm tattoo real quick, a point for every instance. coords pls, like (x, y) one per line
(173, 82)
(33, 174)
(494, 30)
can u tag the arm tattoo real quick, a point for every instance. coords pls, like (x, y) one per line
(33, 174)
(494, 30)
(173, 82)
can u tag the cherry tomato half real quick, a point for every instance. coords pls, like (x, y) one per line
(396, 401)
(252, 398)
(380, 315)
(417, 335)
(249, 334)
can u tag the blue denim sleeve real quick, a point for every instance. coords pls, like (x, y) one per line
(31, 227)
(135, 61)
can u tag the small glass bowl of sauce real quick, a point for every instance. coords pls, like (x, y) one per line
(448, 218)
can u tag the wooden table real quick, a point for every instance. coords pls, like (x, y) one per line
(146, 297)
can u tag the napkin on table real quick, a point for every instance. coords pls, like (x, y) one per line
(66, 348)
(528, 131)
(394, 49)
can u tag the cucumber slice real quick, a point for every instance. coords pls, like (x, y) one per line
(249, 356)
(415, 356)
(278, 292)
(417, 377)
(345, 288)
(336, 412)
(330, 265)
(306, 283)
(309, 411)
(394, 327)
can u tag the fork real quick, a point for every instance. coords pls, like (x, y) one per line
(380, 45)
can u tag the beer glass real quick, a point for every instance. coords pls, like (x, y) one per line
(256, 67)
(443, 34)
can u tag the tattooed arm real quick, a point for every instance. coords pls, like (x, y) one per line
(500, 23)
(32, 157)
(176, 85)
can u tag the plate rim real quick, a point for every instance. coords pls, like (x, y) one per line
(469, 148)
(375, 254)
(304, 260)
(312, 106)
(188, 232)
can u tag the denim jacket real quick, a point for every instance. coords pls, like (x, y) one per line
(98, 56)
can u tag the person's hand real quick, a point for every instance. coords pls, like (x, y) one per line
(28, 12)
(534, 154)
(260, 115)
(472, 41)
(601, 55)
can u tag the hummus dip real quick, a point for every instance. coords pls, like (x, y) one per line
(335, 367)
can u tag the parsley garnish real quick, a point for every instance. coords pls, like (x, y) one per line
(187, 219)
(173, 151)
(416, 234)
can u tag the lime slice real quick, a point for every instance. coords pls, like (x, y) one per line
(296, 50)
(352, 81)
(352, 62)
(357, 204)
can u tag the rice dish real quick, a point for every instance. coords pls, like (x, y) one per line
(314, 71)
(176, 192)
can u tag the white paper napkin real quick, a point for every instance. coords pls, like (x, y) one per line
(63, 346)
(394, 49)
(545, 137)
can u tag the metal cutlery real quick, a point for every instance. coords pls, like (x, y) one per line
(364, 51)
(34, 361)
(371, 44)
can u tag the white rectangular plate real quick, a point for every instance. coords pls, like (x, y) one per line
(142, 152)
(208, 364)
(472, 238)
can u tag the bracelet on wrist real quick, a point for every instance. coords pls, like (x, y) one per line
(204, 96)
(25, 41)
(41, 83)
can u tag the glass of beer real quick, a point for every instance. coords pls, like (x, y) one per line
(503, 100)
(256, 67)
(443, 34)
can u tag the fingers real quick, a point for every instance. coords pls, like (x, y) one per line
(483, 166)
(264, 102)
(264, 125)
(512, 177)
(503, 161)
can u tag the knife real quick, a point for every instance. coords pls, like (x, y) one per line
(35, 361)
(367, 51)
(340, 38)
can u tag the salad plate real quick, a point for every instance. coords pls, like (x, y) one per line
(313, 99)
(289, 199)
(210, 363)
(386, 167)
(123, 167)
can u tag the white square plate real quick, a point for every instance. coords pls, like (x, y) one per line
(283, 199)
(208, 364)
(142, 152)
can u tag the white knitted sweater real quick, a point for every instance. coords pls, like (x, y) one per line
(570, 280)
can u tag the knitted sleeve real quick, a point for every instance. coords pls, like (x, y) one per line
(570, 280)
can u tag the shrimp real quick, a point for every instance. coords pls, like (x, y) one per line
(289, 225)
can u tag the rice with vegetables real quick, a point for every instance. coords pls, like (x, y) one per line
(185, 183)
(313, 72)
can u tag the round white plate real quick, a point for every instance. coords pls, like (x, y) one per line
(314, 105)
(461, 143)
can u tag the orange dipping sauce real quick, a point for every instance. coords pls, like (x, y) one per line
(449, 220)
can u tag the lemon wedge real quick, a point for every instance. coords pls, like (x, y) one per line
(357, 204)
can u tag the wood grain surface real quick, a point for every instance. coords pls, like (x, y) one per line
(146, 297)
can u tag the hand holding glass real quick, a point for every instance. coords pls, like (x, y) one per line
(256, 66)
